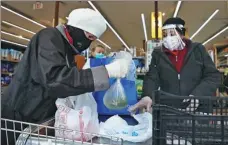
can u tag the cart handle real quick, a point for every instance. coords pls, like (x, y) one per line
(157, 93)
(170, 109)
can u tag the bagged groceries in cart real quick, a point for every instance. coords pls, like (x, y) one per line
(118, 127)
(79, 114)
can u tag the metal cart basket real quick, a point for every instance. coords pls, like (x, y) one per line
(43, 134)
(24, 133)
(195, 121)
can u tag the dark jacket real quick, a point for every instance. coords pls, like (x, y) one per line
(47, 72)
(198, 76)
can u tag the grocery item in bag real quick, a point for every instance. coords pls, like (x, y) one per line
(115, 97)
(76, 117)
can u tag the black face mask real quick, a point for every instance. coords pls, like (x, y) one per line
(80, 41)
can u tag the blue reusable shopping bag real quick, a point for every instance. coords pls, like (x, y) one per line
(128, 85)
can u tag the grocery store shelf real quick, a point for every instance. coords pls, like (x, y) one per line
(139, 57)
(9, 60)
(140, 74)
(6, 73)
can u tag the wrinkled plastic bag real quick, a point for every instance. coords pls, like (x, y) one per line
(76, 115)
(115, 97)
(131, 75)
(124, 55)
(118, 127)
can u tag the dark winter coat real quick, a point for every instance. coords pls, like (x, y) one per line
(47, 72)
(198, 76)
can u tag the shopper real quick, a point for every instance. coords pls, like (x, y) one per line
(48, 71)
(97, 52)
(180, 67)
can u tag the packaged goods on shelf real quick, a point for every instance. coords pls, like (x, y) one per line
(7, 67)
(5, 80)
(11, 54)
(9, 58)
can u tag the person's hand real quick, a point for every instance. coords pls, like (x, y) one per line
(186, 100)
(118, 68)
(145, 102)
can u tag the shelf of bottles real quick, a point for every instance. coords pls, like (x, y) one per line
(10, 56)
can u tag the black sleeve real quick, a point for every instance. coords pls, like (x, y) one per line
(211, 77)
(151, 79)
(61, 80)
(225, 82)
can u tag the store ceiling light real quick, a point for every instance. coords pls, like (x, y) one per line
(35, 33)
(144, 27)
(7, 41)
(221, 31)
(20, 37)
(106, 45)
(13, 35)
(204, 24)
(26, 18)
(10, 24)
(117, 35)
(177, 9)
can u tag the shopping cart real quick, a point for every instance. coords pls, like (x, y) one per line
(200, 121)
(24, 133)
(43, 134)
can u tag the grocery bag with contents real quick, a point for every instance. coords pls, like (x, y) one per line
(115, 97)
(76, 116)
(132, 133)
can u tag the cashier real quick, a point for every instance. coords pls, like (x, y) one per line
(48, 71)
(97, 52)
(181, 67)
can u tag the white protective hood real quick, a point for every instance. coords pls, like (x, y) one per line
(87, 20)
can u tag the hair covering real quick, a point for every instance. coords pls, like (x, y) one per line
(177, 23)
(87, 20)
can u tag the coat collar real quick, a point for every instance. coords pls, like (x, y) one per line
(189, 46)
(61, 29)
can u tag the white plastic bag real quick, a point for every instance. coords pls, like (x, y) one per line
(116, 126)
(124, 55)
(131, 75)
(78, 114)
(115, 97)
